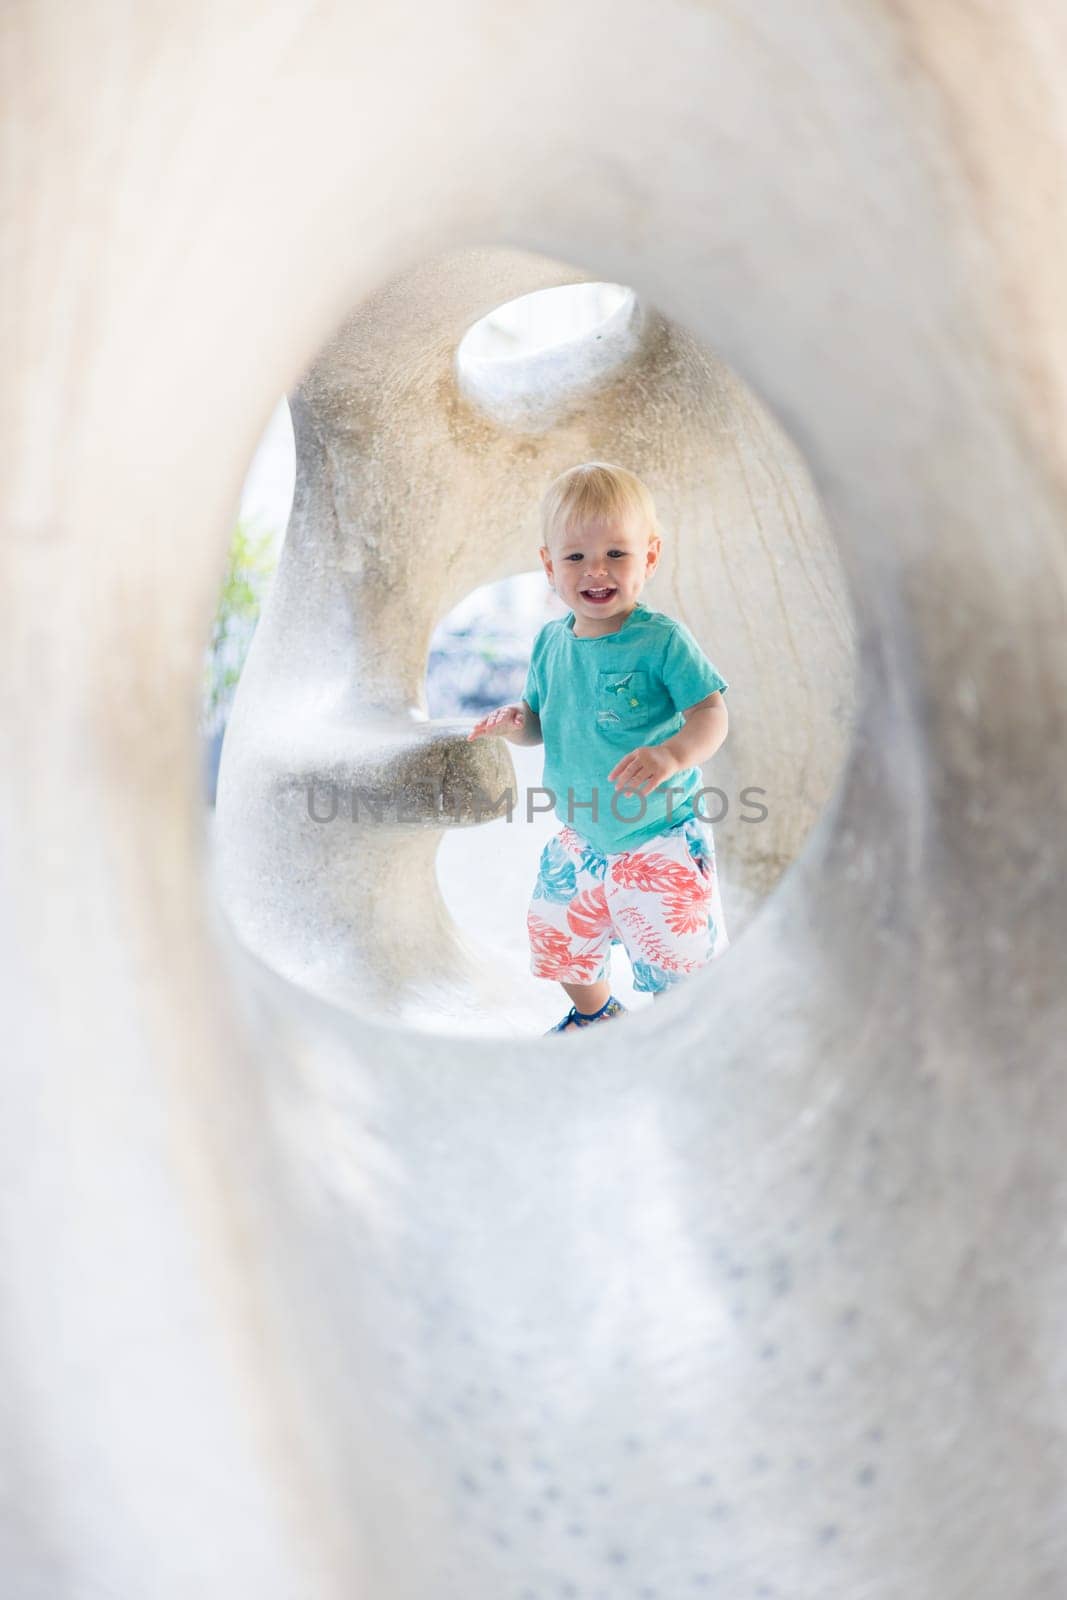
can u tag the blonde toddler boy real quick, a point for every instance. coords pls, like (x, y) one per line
(627, 706)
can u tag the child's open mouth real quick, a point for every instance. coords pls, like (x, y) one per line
(598, 596)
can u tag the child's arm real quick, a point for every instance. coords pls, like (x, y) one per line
(516, 723)
(706, 726)
(645, 768)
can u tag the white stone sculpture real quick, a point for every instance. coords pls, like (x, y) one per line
(760, 1293)
(413, 489)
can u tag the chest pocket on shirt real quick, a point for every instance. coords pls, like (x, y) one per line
(622, 700)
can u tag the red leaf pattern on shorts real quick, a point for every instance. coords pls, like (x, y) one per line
(588, 914)
(687, 911)
(553, 957)
(570, 840)
(649, 942)
(651, 873)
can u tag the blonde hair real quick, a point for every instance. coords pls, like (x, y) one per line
(593, 490)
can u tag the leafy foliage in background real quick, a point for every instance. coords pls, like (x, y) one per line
(250, 565)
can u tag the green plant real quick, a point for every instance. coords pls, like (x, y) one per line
(250, 564)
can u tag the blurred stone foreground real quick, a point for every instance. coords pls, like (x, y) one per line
(760, 1291)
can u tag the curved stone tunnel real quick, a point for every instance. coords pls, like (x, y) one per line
(760, 1295)
(335, 790)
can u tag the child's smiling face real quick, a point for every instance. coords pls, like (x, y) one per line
(600, 568)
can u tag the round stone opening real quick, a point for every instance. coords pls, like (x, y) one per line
(345, 817)
(531, 360)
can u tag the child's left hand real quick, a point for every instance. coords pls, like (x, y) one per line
(644, 769)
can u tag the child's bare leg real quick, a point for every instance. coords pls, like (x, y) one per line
(588, 997)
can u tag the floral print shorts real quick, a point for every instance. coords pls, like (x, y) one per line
(661, 901)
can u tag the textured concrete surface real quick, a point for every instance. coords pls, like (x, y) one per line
(764, 1295)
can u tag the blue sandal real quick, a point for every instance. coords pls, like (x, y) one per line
(582, 1019)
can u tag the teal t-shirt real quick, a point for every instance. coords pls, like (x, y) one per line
(600, 698)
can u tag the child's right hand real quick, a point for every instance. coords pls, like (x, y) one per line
(504, 722)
